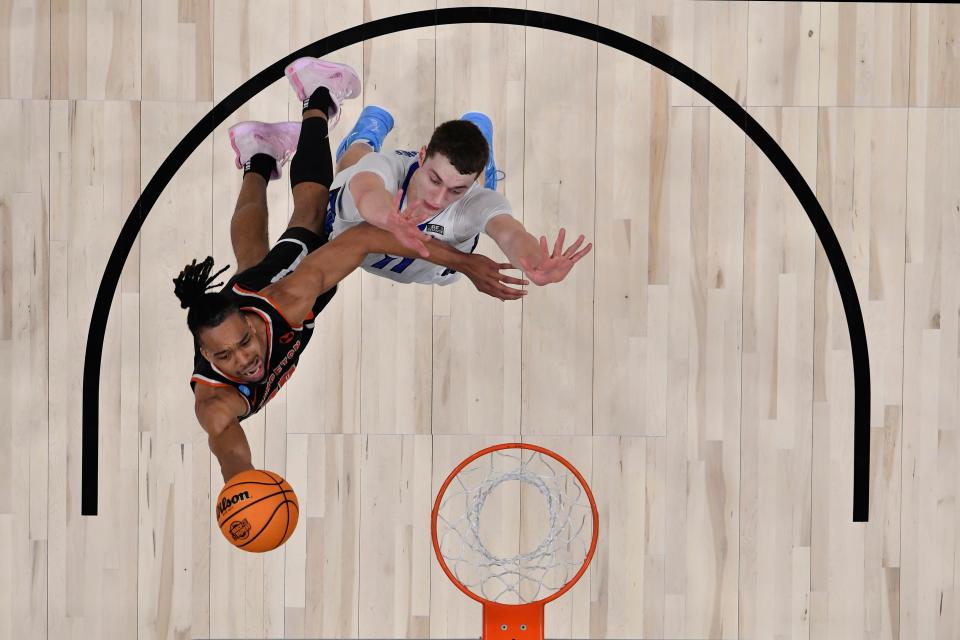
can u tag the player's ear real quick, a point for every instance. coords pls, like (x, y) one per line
(422, 155)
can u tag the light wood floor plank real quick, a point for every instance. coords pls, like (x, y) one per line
(177, 50)
(97, 47)
(25, 427)
(394, 536)
(709, 37)
(95, 183)
(25, 40)
(783, 54)
(559, 191)
(931, 368)
(696, 366)
(864, 54)
(779, 244)
(934, 77)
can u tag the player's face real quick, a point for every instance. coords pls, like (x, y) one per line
(234, 347)
(438, 183)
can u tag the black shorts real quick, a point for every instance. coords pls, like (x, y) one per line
(289, 251)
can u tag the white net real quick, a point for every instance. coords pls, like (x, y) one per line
(543, 500)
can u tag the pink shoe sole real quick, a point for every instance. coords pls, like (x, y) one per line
(348, 89)
(306, 74)
(278, 140)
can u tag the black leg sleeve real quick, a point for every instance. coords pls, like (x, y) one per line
(313, 161)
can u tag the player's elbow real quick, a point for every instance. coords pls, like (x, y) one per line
(213, 417)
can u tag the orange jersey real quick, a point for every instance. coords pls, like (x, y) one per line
(285, 343)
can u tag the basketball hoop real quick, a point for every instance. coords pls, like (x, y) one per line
(514, 589)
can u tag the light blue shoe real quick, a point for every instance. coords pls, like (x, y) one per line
(372, 127)
(490, 173)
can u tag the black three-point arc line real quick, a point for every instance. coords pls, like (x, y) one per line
(520, 17)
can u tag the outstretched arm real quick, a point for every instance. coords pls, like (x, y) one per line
(485, 274)
(218, 417)
(295, 294)
(380, 208)
(371, 197)
(526, 252)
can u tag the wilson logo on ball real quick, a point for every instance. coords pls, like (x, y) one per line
(239, 529)
(226, 503)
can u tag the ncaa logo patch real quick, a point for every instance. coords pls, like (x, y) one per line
(240, 529)
(244, 389)
(287, 337)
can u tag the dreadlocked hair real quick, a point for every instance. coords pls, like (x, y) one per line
(205, 309)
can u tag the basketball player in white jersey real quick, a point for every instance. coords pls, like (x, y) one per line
(442, 179)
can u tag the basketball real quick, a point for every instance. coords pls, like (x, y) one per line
(257, 510)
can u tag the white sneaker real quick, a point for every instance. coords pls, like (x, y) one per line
(278, 140)
(306, 74)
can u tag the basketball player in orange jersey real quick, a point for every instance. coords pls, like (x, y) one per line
(248, 337)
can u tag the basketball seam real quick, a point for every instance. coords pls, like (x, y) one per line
(246, 482)
(286, 527)
(267, 524)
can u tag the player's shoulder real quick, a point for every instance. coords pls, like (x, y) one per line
(397, 159)
(389, 165)
(214, 403)
(470, 214)
(484, 200)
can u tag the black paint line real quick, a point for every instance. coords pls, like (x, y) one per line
(519, 17)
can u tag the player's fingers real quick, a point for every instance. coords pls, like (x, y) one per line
(418, 236)
(558, 245)
(581, 253)
(396, 200)
(572, 249)
(509, 293)
(512, 280)
(505, 265)
(543, 245)
(414, 212)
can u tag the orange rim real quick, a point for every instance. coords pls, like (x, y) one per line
(530, 447)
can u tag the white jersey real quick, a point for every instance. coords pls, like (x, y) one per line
(459, 225)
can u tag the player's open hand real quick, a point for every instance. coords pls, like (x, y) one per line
(404, 225)
(554, 267)
(486, 276)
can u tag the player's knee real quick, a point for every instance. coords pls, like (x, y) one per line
(308, 217)
(310, 195)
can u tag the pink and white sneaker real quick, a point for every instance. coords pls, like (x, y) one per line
(306, 74)
(278, 140)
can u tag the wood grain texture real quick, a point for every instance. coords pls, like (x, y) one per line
(25, 27)
(24, 344)
(696, 366)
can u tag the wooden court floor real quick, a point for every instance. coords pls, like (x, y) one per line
(696, 366)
